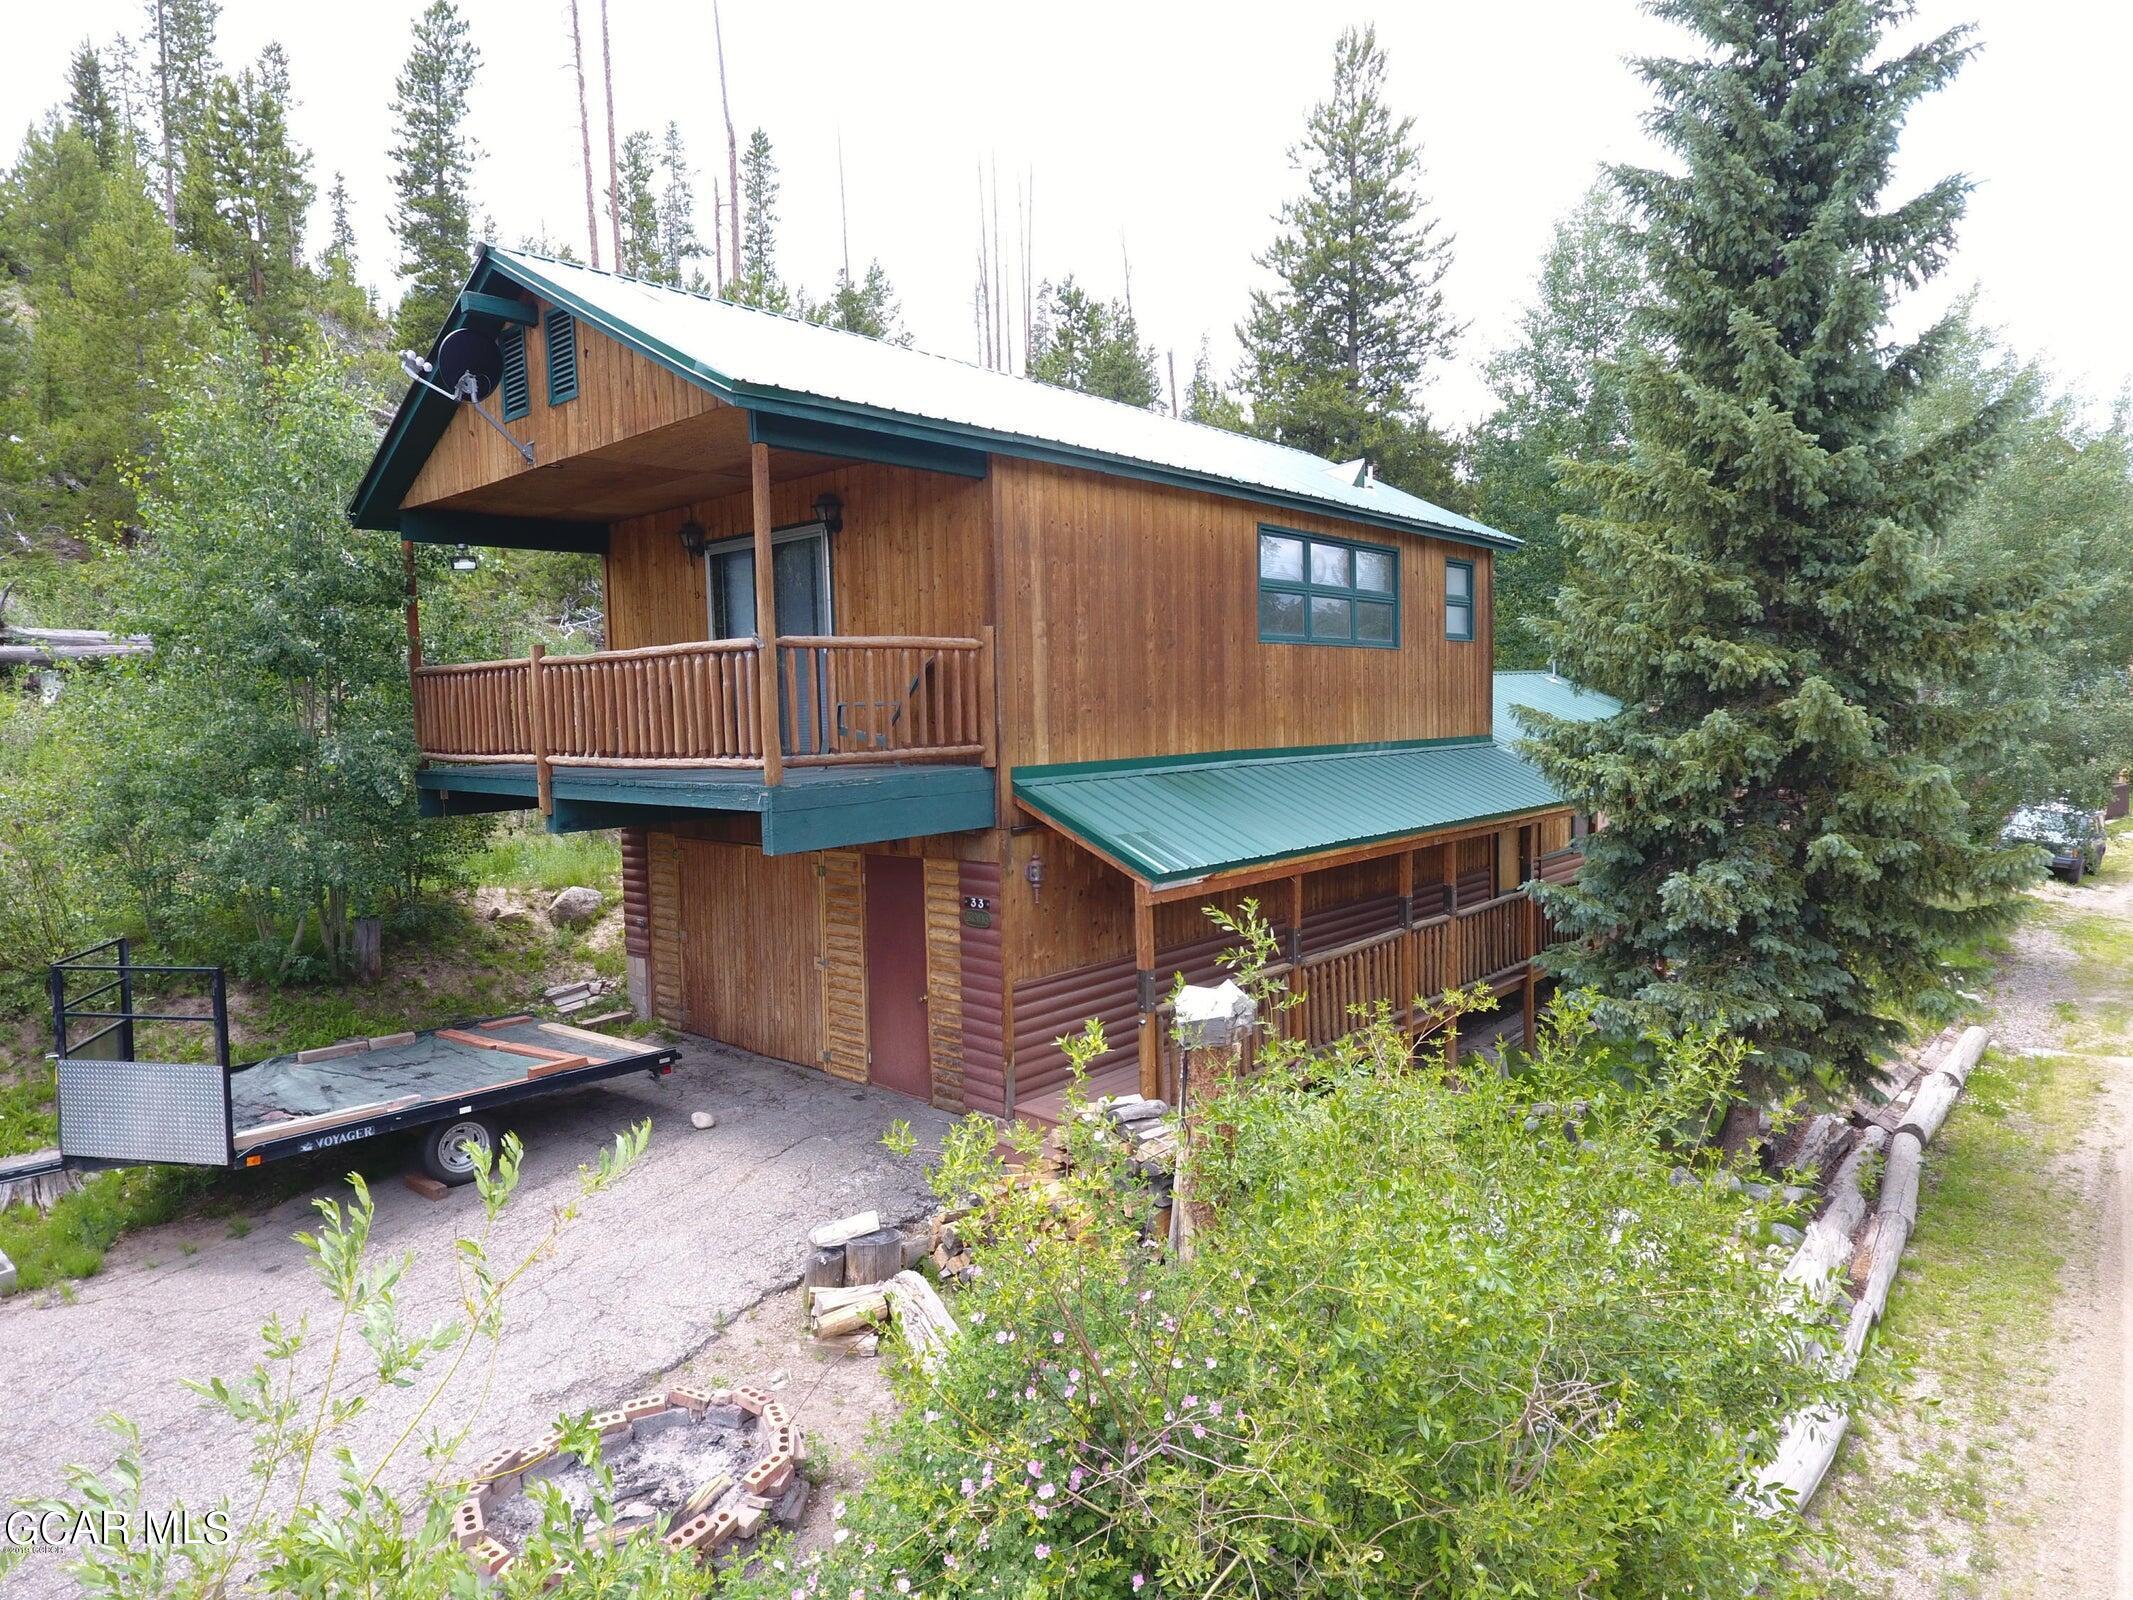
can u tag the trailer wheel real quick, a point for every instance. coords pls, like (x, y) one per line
(444, 1147)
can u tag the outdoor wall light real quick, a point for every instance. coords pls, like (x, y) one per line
(693, 537)
(1035, 873)
(829, 511)
(463, 559)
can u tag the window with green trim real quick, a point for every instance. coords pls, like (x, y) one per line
(562, 331)
(517, 392)
(1459, 600)
(1316, 590)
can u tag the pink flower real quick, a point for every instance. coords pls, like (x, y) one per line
(1036, 1469)
(1138, 1580)
(1047, 1491)
(1058, 1337)
(969, 1488)
(1044, 1552)
(1040, 1512)
(1074, 1479)
(1191, 1400)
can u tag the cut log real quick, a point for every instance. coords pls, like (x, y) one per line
(835, 1299)
(844, 1229)
(921, 1318)
(1820, 1143)
(874, 1257)
(1828, 1245)
(856, 1318)
(824, 1270)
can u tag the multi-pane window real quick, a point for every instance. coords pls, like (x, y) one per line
(1458, 599)
(1316, 590)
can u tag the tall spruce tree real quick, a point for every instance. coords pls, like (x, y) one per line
(246, 195)
(679, 247)
(1337, 352)
(433, 163)
(1561, 399)
(637, 211)
(755, 278)
(1080, 342)
(182, 69)
(1787, 851)
(91, 110)
(1206, 400)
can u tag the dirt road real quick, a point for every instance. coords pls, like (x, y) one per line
(711, 1222)
(2004, 1465)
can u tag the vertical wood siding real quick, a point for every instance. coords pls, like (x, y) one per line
(1131, 628)
(944, 981)
(982, 994)
(752, 959)
(844, 965)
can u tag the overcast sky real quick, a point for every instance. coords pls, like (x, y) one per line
(1157, 133)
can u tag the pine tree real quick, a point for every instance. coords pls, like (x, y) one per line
(1787, 853)
(1206, 400)
(679, 246)
(1561, 399)
(341, 237)
(869, 306)
(637, 237)
(1080, 342)
(755, 279)
(90, 109)
(433, 161)
(54, 194)
(1337, 352)
(246, 195)
(181, 47)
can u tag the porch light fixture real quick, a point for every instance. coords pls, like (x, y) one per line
(829, 511)
(463, 559)
(1035, 873)
(693, 537)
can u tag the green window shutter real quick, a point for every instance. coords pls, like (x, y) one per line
(517, 389)
(562, 330)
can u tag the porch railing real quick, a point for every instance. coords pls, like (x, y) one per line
(836, 699)
(1492, 942)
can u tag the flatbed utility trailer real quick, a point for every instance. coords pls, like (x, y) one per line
(446, 1084)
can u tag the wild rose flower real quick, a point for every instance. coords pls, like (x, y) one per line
(1044, 1552)
(1036, 1469)
(1047, 1491)
(1138, 1580)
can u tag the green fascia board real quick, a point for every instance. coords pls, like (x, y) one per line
(504, 308)
(815, 808)
(502, 533)
(950, 435)
(1175, 820)
(863, 444)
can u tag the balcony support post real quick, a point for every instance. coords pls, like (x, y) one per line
(766, 618)
(1144, 965)
(537, 720)
(1404, 1007)
(414, 617)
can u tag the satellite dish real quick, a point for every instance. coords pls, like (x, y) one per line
(466, 353)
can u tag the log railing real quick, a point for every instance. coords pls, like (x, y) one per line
(1492, 942)
(701, 704)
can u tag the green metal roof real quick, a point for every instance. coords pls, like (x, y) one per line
(802, 375)
(1548, 694)
(1173, 819)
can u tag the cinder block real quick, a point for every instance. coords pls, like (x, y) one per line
(691, 1396)
(775, 1414)
(489, 1557)
(722, 1525)
(644, 1405)
(690, 1535)
(499, 1464)
(610, 1423)
(749, 1519)
(751, 1401)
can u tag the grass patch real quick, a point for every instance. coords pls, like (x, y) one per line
(1914, 1488)
(528, 859)
(28, 1120)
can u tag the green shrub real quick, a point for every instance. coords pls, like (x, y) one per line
(1450, 1334)
(526, 859)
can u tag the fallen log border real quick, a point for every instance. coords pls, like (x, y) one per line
(1809, 1443)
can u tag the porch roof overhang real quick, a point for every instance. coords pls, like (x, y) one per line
(1174, 821)
(813, 808)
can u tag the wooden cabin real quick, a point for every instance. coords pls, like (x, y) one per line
(939, 704)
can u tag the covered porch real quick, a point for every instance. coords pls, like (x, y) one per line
(1389, 875)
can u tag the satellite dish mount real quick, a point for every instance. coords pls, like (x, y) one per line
(468, 367)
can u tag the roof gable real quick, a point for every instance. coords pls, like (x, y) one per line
(785, 367)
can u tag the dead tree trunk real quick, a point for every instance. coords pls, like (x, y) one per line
(614, 175)
(585, 137)
(733, 148)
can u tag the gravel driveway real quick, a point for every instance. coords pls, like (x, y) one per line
(709, 1222)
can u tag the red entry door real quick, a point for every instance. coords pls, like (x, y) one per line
(896, 975)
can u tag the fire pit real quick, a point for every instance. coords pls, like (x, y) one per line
(715, 1463)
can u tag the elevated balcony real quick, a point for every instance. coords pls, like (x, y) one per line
(829, 740)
